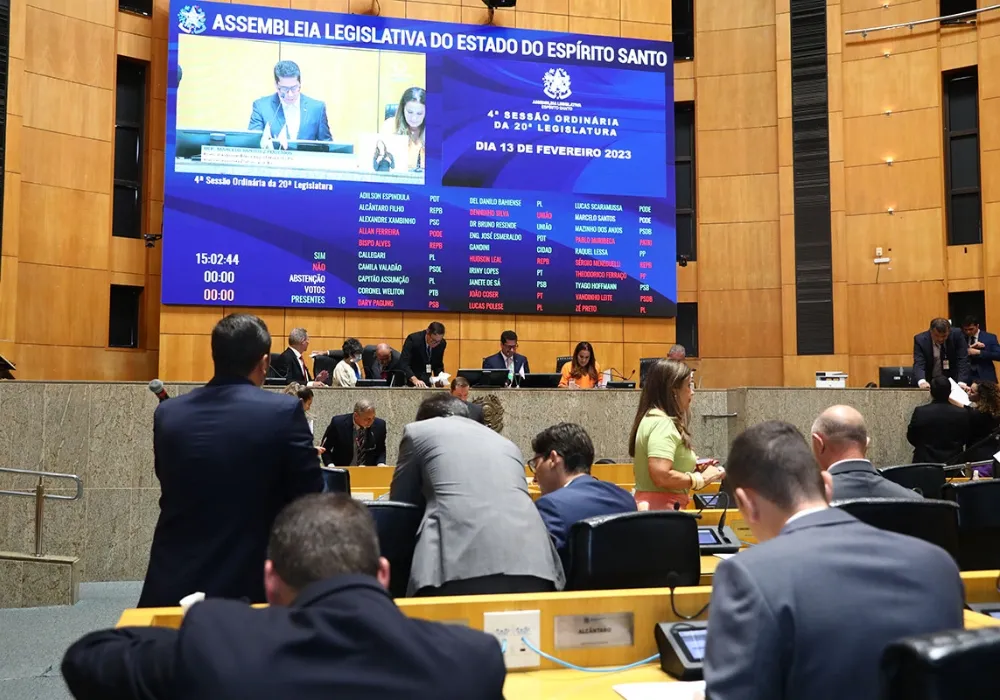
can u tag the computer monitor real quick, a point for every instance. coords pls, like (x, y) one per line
(895, 377)
(484, 377)
(541, 380)
(372, 383)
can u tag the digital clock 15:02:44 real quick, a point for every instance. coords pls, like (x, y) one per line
(217, 258)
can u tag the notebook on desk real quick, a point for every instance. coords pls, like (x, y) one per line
(693, 690)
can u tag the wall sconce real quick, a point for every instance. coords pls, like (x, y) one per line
(891, 211)
(888, 112)
(888, 161)
(886, 53)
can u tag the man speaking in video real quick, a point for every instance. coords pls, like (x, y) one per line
(288, 115)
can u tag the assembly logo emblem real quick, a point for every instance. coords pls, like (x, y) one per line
(556, 84)
(191, 19)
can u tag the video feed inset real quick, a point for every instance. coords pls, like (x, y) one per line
(285, 110)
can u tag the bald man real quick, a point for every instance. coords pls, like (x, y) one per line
(385, 365)
(840, 443)
(677, 352)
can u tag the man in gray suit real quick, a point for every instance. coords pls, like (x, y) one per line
(807, 612)
(840, 442)
(481, 533)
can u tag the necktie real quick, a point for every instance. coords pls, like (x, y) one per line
(359, 442)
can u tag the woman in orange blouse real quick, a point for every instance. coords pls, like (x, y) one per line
(582, 372)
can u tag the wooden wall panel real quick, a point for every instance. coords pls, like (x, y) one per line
(902, 82)
(740, 323)
(903, 136)
(62, 306)
(749, 99)
(911, 185)
(57, 105)
(96, 11)
(754, 45)
(913, 240)
(70, 49)
(737, 199)
(719, 373)
(739, 256)
(893, 314)
(64, 227)
(737, 152)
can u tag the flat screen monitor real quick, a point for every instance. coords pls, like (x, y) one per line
(484, 377)
(435, 167)
(372, 383)
(895, 377)
(541, 380)
(692, 642)
(708, 536)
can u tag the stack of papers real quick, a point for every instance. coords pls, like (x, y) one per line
(958, 395)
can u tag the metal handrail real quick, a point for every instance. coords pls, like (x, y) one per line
(944, 18)
(39, 495)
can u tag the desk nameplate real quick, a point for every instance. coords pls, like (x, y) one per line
(584, 631)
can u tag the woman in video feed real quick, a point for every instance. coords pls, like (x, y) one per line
(410, 121)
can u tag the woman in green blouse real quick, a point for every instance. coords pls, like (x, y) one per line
(666, 467)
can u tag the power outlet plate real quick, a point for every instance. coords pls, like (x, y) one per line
(509, 627)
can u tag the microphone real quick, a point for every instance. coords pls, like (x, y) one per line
(619, 375)
(156, 386)
(722, 519)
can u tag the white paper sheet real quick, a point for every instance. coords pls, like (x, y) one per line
(726, 556)
(661, 691)
(958, 395)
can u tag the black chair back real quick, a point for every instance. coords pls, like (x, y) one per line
(606, 460)
(926, 479)
(978, 522)
(337, 480)
(368, 356)
(397, 524)
(931, 520)
(561, 360)
(954, 665)
(647, 549)
(276, 369)
(327, 362)
(644, 364)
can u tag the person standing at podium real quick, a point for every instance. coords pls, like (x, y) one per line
(228, 457)
(423, 355)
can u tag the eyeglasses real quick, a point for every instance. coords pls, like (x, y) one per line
(293, 90)
(511, 347)
(533, 462)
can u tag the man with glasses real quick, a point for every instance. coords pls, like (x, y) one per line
(508, 359)
(561, 465)
(422, 359)
(288, 115)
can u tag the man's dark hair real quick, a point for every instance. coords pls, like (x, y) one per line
(287, 69)
(971, 320)
(442, 405)
(773, 459)
(351, 347)
(571, 442)
(459, 381)
(940, 389)
(320, 536)
(238, 343)
(508, 336)
(941, 325)
(436, 328)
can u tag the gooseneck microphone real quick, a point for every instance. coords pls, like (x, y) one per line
(722, 519)
(156, 386)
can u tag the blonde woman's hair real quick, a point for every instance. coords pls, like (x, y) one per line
(659, 390)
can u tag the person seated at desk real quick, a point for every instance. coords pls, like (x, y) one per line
(385, 364)
(480, 532)
(288, 115)
(561, 465)
(423, 355)
(665, 465)
(332, 631)
(807, 612)
(355, 439)
(508, 359)
(460, 390)
(581, 372)
(840, 442)
(984, 420)
(349, 370)
(410, 120)
(938, 430)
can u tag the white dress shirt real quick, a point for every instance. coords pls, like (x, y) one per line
(302, 363)
(293, 117)
(803, 513)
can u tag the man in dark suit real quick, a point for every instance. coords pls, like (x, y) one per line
(288, 115)
(460, 390)
(293, 361)
(508, 359)
(938, 430)
(983, 351)
(423, 355)
(940, 351)
(332, 631)
(563, 455)
(229, 457)
(839, 443)
(807, 612)
(355, 439)
(384, 364)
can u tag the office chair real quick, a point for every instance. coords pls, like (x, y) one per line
(931, 520)
(648, 549)
(953, 665)
(327, 362)
(644, 364)
(925, 479)
(397, 524)
(606, 460)
(561, 360)
(978, 523)
(337, 480)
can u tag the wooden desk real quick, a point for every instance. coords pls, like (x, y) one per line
(580, 685)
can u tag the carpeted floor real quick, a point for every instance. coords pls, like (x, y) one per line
(32, 640)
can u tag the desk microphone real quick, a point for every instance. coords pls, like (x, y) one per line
(619, 375)
(156, 386)
(722, 520)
